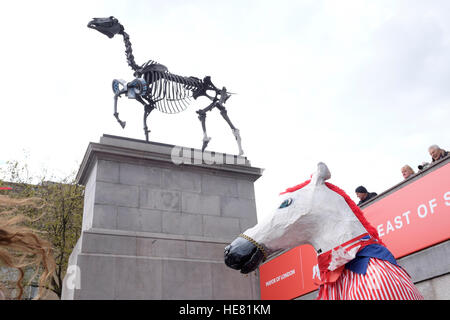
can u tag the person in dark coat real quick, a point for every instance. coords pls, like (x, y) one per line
(363, 195)
(437, 153)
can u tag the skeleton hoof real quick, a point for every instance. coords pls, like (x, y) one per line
(237, 135)
(206, 140)
(238, 140)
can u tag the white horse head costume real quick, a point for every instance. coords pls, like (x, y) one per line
(319, 213)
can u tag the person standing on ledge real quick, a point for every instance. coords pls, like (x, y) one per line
(363, 195)
(407, 171)
(437, 153)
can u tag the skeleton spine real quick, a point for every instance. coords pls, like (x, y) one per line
(129, 51)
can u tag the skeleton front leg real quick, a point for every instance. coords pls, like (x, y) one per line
(147, 110)
(119, 87)
(116, 114)
(148, 107)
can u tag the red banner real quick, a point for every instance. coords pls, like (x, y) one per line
(289, 275)
(416, 216)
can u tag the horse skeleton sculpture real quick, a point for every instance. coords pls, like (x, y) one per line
(353, 261)
(156, 88)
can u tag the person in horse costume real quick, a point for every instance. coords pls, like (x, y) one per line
(353, 261)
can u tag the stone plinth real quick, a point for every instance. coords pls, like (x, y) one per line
(156, 220)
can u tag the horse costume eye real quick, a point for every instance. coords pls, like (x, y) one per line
(285, 203)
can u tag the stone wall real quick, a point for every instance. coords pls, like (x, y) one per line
(153, 229)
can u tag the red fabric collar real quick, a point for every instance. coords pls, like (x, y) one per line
(324, 259)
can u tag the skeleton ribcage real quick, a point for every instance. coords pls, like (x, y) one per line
(170, 93)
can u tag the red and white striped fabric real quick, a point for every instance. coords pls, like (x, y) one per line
(382, 281)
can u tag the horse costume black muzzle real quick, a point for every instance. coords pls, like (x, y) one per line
(244, 254)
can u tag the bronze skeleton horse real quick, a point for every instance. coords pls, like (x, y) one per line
(156, 88)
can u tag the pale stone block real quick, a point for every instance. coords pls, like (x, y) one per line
(183, 224)
(441, 286)
(108, 171)
(96, 277)
(246, 223)
(117, 194)
(218, 185)
(134, 277)
(200, 203)
(436, 288)
(205, 250)
(160, 199)
(246, 189)
(238, 207)
(139, 175)
(142, 220)
(221, 227)
(419, 266)
(181, 180)
(105, 217)
(186, 280)
(149, 277)
(144, 247)
(230, 284)
(108, 244)
(89, 199)
(162, 248)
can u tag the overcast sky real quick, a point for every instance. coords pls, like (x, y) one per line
(360, 85)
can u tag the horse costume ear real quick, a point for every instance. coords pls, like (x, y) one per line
(321, 174)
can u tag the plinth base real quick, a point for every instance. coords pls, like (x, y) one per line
(155, 228)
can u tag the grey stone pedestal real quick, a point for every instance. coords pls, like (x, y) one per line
(156, 220)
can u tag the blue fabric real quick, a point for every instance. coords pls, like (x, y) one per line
(361, 261)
